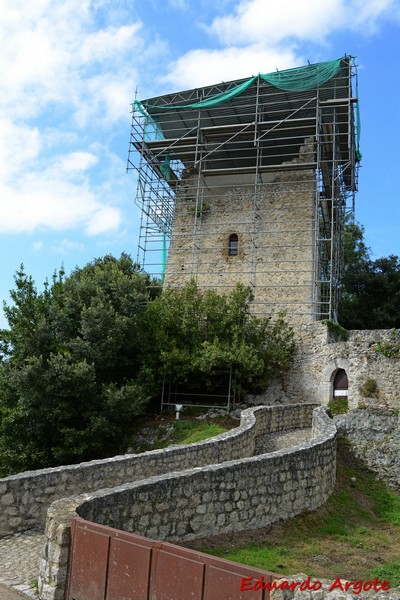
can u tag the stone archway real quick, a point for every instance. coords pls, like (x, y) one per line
(326, 387)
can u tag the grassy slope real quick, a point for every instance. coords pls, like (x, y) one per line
(166, 430)
(188, 432)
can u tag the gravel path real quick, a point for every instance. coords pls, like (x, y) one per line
(271, 442)
(19, 563)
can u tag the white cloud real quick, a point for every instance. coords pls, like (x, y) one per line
(261, 36)
(65, 246)
(50, 57)
(67, 73)
(179, 4)
(204, 67)
(18, 143)
(255, 21)
(75, 162)
(43, 201)
(107, 100)
(103, 220)
(369, 14)
(96, 46)
(37, 246)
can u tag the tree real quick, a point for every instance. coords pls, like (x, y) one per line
(82, 359)
(371, 288)
(70, 365)
(196, 335)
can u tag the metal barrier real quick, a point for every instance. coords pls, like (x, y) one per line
(109, 564)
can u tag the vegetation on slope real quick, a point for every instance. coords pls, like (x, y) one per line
(162, 429)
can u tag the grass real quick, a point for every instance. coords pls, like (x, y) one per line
(190, 432)
(355, 535)
(390, 571)
(187, 430)
(338, 406)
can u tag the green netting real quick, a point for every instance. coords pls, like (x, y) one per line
(164, 257)
(206, 103)
(137, 105)
(358, 126)
(217, 98)
(358, 133)
(152, 130)
(165, 167)
(302, 79)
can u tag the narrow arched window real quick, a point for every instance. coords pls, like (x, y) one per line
(233, 246)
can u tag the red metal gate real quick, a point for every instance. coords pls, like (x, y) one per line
(108, 564)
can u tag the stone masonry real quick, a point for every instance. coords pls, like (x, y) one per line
(275, 224)
(374, 434)
(318, 357)
(25, 497)
(247, 492)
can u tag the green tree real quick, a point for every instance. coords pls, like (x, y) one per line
(80, 360)
(197, 335)
(371, 288)
(70, 370)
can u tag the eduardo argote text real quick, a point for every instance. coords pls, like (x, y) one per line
(355, 587)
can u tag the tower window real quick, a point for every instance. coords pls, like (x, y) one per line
(233, 246)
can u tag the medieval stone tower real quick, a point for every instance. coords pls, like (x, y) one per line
(250, 181)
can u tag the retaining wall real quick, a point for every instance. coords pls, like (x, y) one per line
(25, 497)
(238, 494)
(374, 435)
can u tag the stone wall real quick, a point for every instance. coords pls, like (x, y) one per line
(318, 357)
(374, 435)
(25, 497)
(246, 493)
(275, 223)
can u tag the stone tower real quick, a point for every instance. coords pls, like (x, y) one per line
(250, 182)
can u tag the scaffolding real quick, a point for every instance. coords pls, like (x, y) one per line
(276, 168)
(221, 395)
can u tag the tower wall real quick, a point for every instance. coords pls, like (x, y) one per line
(272, 160)
(274, 219)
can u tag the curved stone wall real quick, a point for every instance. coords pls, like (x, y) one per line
(243, 493)
(25, 497)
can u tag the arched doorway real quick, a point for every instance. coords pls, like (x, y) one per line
(340, 384)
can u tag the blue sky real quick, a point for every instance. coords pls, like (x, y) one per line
(70, 69)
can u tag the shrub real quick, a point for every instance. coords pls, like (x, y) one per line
(369, 388)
